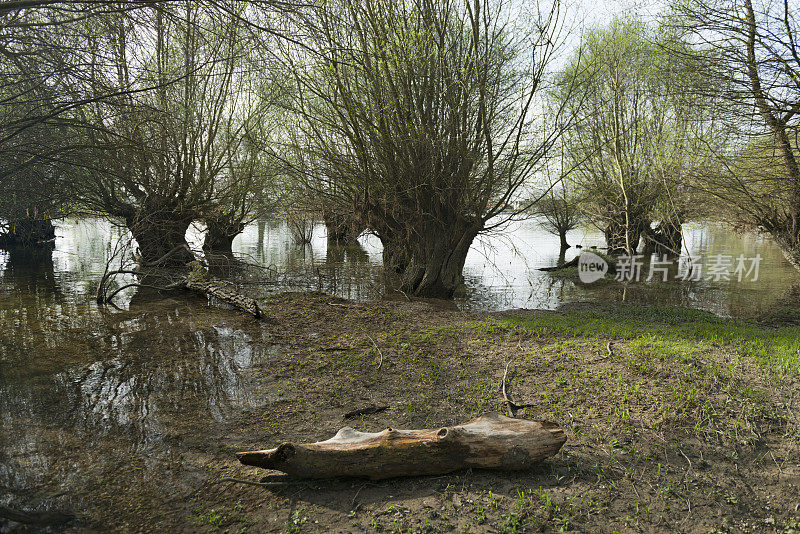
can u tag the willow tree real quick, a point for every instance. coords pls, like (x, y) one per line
(756, 78)
(39, 54)
(248, 189)
(165, 148)
(250, 186)
(631, 145)
(424, 114)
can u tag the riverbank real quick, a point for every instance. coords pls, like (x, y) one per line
(676, 420)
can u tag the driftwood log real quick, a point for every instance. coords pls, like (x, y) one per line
(491, 441)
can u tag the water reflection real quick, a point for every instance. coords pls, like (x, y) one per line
(85, 391)
(501, 270)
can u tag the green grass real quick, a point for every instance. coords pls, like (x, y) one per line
(682, 333)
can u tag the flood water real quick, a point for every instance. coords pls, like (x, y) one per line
(502, 269)
(100, 400)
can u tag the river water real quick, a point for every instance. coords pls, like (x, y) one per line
(99, 400)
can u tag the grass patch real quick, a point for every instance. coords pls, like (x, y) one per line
(681, 333)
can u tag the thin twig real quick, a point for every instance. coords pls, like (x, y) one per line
(380, 364)
(512, 407)
(359, 491)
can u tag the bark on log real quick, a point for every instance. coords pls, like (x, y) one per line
(491, 441)
(226, 294)
(200, 282)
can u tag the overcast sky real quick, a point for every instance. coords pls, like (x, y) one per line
(599, 11)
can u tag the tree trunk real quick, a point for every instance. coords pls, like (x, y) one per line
(220, 235)
(562, 257)
(431, 261)
(157, 232)
(342, 228)
(620, 236)
(666, 238)
(789, 246)
(562, 235)
(492, 441)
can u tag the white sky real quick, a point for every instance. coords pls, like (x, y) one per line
(599, 11)
(583, 14)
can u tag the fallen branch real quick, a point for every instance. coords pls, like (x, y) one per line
(380, 353)
(199, 282)
(183, 247)
(491, 441)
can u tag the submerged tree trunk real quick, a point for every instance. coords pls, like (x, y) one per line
(31, 268)
(666, 238)
(28, 232)
(429, 262)
(620, 236)
(159, 232)
(562, 257)
(220, 235)
(342, 228)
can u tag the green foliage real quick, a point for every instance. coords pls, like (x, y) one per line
(634, 134)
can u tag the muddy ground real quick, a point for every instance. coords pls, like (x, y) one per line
(676, 422)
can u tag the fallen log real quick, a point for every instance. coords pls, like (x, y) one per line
(197, 280)
(200, 282)
(492, 441)
(223, 292)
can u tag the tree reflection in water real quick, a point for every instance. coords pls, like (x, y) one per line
(87, 395)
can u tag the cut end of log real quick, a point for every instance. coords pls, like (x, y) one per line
(492, 441)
